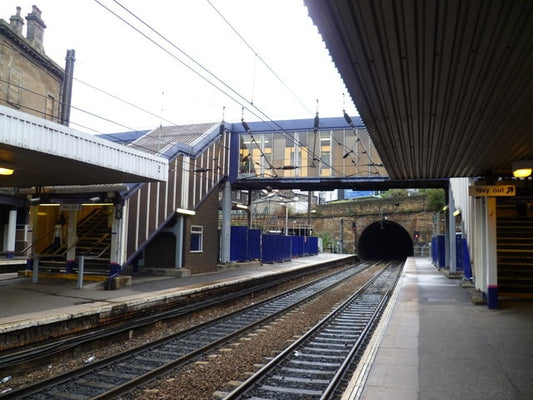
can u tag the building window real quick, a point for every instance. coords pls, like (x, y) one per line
(50, 107)
(197, 238)
(14, 95)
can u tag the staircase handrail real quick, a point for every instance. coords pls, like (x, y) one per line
(25, 249)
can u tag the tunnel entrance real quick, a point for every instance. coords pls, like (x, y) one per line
(385, 240)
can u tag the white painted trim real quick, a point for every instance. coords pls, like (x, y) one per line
(26, 131)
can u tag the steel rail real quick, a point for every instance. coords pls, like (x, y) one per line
(242, 391)
(152, 373)
(341, 373)
(46, 350)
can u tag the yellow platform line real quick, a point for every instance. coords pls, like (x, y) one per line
(64, 275)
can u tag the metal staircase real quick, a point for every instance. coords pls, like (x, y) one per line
(94, 242)
(515, 254)
(94, 239)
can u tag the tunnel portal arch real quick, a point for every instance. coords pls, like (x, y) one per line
(385, 240)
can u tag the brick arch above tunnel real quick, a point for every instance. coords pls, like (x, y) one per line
(385, 239)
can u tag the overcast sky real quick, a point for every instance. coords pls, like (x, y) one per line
(112, 57)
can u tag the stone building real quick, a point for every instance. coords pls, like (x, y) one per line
(32, 83)
(29, 80)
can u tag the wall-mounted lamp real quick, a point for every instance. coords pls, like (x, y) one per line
(6, 171)
(185, 211)
(522, 168)
(456, 213)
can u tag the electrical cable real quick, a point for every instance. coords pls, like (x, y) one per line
(263, 115)
(118, 124)
(316, 121)
(259, 57)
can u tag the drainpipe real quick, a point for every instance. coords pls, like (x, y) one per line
(67, 88)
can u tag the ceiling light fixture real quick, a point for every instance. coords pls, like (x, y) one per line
(6, 171)
(522, 168)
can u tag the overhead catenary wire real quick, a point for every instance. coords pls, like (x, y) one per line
(219, 85)
(316, 120)
(256, 54)
(249, 132)
(350, 122)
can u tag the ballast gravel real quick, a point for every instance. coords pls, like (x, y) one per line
(217, 373)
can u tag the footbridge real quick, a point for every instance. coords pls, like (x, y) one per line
(311, 154)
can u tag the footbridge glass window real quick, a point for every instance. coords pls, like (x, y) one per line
(197, 238)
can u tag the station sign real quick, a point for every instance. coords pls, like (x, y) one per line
(70, 207)
(492, 190)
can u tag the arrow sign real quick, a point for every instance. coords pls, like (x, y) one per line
(492, 190)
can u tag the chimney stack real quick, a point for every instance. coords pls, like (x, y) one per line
(17, 22)
(35, 29)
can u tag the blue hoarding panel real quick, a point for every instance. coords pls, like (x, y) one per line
(294, 244)
(287, 248)
(458, 254)
(313, 245)
(254, 244)
(300, 248)
(239, 243)
(268, 248)
(438, 251)
(463, 258)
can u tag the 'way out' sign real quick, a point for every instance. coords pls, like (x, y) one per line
(492, 190)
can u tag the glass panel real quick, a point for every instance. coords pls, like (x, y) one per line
(196, 238)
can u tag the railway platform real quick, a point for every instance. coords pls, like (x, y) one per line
(48, 303)
(433, 343)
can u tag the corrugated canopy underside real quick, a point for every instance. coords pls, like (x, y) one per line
(445, 88)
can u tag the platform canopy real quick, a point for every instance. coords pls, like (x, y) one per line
(445, 88)
(44, 153)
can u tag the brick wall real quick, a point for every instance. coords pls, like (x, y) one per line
(409, 211)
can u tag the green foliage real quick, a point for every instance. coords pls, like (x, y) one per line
(326, 239)
(391, 193)
(435, 199)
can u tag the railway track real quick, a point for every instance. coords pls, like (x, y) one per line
(26, 357)
(314, 366)
(119, 374)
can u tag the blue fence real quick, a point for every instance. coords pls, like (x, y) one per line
(438, 251)
(250, 244)
(463, 257)
(438, 254)
(239, 243)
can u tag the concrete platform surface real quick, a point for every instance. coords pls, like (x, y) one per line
(433, 343)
